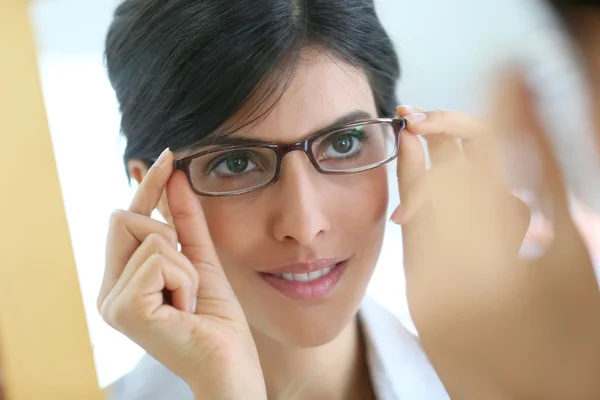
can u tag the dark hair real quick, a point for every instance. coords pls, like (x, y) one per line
(565, 9)
(181, 68)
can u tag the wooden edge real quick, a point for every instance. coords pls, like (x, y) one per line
(46, 352)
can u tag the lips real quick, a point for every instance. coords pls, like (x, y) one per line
(302, 267)
(307, 276)
(308, 281)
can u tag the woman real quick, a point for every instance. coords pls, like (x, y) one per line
(265, 297)
(199, 76)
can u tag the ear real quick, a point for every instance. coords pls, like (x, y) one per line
(138, 170)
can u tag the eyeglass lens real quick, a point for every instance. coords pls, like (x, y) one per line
(350, 150)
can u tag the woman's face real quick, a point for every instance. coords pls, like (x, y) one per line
(307, 221)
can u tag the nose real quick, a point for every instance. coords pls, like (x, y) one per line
(299, 209)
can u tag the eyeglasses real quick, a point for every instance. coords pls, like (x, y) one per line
(245, 167)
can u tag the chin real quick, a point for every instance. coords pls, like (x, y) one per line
(308, 333)
(307, 326)
(318, 335)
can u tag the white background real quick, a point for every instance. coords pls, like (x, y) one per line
(448, 49)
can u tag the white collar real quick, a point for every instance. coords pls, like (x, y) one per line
(398, 366)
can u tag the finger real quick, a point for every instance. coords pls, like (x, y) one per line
(453, 124)
(420, 194)
(515, 110)
(442, 149)
(551, 173)
(125, 234)
(476, 135)
(142, 301)
(405, 110)
(410, 208)
(189, 222)
(215, 295)
(568, 249)
(154, 244)
(410, 168)
(159, 272)
(149, 192)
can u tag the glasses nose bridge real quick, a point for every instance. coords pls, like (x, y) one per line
(288, 148)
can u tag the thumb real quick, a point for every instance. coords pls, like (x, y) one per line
(189, 222)
(197, 246)
(410, 169)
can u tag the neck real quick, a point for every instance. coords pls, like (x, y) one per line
(336, 370)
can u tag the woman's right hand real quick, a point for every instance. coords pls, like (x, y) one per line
(178, 305)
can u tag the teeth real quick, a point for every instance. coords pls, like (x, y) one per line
(315, 275)
(306, 277)
(301, 277)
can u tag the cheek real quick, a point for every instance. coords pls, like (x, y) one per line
(227, 222)
(361, 201)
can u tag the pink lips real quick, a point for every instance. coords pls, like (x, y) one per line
(316, 289)
(305, 266)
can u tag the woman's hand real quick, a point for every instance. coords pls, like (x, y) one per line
(494, 326)
(178, 306)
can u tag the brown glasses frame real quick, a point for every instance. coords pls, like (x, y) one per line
(183, 164)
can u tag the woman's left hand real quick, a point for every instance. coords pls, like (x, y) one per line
(494, 326)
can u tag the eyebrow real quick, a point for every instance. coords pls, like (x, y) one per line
(233, 140)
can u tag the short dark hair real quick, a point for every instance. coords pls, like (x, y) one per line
(181, 68)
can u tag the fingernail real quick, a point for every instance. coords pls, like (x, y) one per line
(193, 307)
(416, 118)
(397, 214)
(407, 108)
(162, 156)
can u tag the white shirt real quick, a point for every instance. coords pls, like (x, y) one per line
(398, 367)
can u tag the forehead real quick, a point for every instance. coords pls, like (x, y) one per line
(321, 90)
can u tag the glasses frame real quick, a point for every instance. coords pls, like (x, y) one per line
(183, 164)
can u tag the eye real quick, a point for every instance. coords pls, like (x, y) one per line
(344, 144)
(234, 163)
